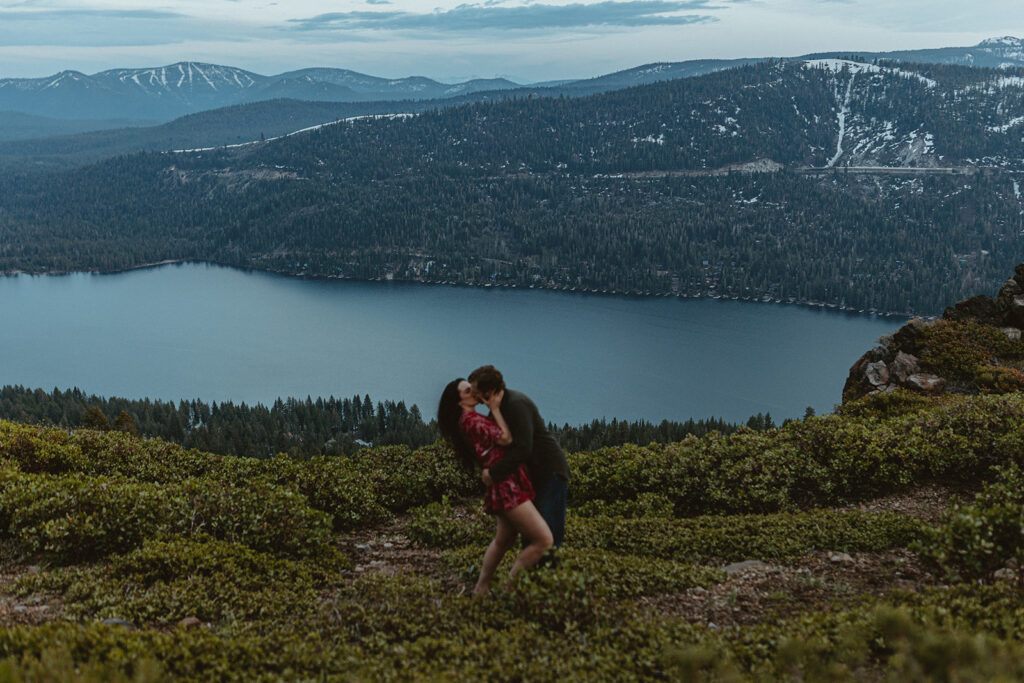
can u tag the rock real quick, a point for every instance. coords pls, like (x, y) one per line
(20, 608)
(1005, 574)
(1010, 289)
(1014, 314)
(905, 338)
(190, 622)
(877, 374)
(365, 547)
(746, 565)
(857, 384)
(120, 622)
(927, 383)
(1012, 333)
(982, 308)
(903, 366)
(840, 558)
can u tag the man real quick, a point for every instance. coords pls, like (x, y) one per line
(532, 445)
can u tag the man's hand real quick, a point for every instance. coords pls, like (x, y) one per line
(485, 477)
(494, 400)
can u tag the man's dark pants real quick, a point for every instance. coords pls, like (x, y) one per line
(550, 502)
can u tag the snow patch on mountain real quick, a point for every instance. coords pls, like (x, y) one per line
(840, 65)
(1008, 125)
(294, 132)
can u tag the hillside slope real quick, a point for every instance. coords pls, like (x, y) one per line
(832, 548)
(885, 188)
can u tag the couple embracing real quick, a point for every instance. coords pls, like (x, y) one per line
(524, 468)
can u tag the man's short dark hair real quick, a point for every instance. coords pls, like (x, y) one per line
(486, 379)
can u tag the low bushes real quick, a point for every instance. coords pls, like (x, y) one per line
(79, 518)
(170, 578)
(958, 350)
(829, 460)
(741, 537)
(709, 538)
(974, 541)
(606, 574)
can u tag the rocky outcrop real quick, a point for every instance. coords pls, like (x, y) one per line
(893, 365)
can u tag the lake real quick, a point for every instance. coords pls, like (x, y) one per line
(218, 334)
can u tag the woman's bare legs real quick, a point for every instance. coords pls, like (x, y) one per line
(504, 537)
(526, 520)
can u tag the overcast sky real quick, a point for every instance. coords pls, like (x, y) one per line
(527, 41)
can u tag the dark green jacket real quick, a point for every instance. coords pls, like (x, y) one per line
(532, 444)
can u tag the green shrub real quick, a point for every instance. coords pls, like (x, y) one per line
(614, 576)
(441, 525)
(741, 537)
(75, 517)
(973, 541)
(644, 505)
(403, 479)
(819, 461)
(58, 664)
(171, 578)
(955, 350)
(32, 449)
(887, 404)
(334, 485)
(994, 379)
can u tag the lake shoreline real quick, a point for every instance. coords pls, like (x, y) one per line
(757, 299)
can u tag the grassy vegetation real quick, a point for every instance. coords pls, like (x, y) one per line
(269, 556)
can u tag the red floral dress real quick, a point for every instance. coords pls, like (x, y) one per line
(484, 433)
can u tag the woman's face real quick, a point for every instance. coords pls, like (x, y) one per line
(466, 396)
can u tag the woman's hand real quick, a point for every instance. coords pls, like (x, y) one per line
(494, 402)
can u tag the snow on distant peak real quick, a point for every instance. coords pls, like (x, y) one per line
(1005, 41)
(838, 65)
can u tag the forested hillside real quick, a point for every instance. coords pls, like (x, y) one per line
(697, 186)
(307, 428)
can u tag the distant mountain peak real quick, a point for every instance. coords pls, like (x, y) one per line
(1005, 41)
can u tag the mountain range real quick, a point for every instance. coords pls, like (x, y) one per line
(164, 93)
(890, 186)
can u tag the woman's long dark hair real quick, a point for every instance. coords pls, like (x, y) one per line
(448, 413)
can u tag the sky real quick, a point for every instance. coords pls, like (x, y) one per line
(525, 40)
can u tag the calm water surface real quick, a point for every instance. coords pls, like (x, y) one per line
(200, 331)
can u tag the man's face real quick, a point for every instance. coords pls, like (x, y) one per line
(481, 396)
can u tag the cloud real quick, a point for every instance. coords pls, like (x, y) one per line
(378, 2)
(528, 17)
(59, 14)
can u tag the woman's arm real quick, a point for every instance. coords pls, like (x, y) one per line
(494, 404)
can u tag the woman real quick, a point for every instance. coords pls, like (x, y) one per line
(479, 440)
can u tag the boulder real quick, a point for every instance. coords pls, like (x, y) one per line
(1005, 574)
(877, 373)
(1014, 314)
(982, 308)
(1010, 289)
(120, 622)
(840, 558)
(857, 383)
(905, 338)
(926, 383)
(190, 623)
(745, 566)
(1012, 333)
(903, 366)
